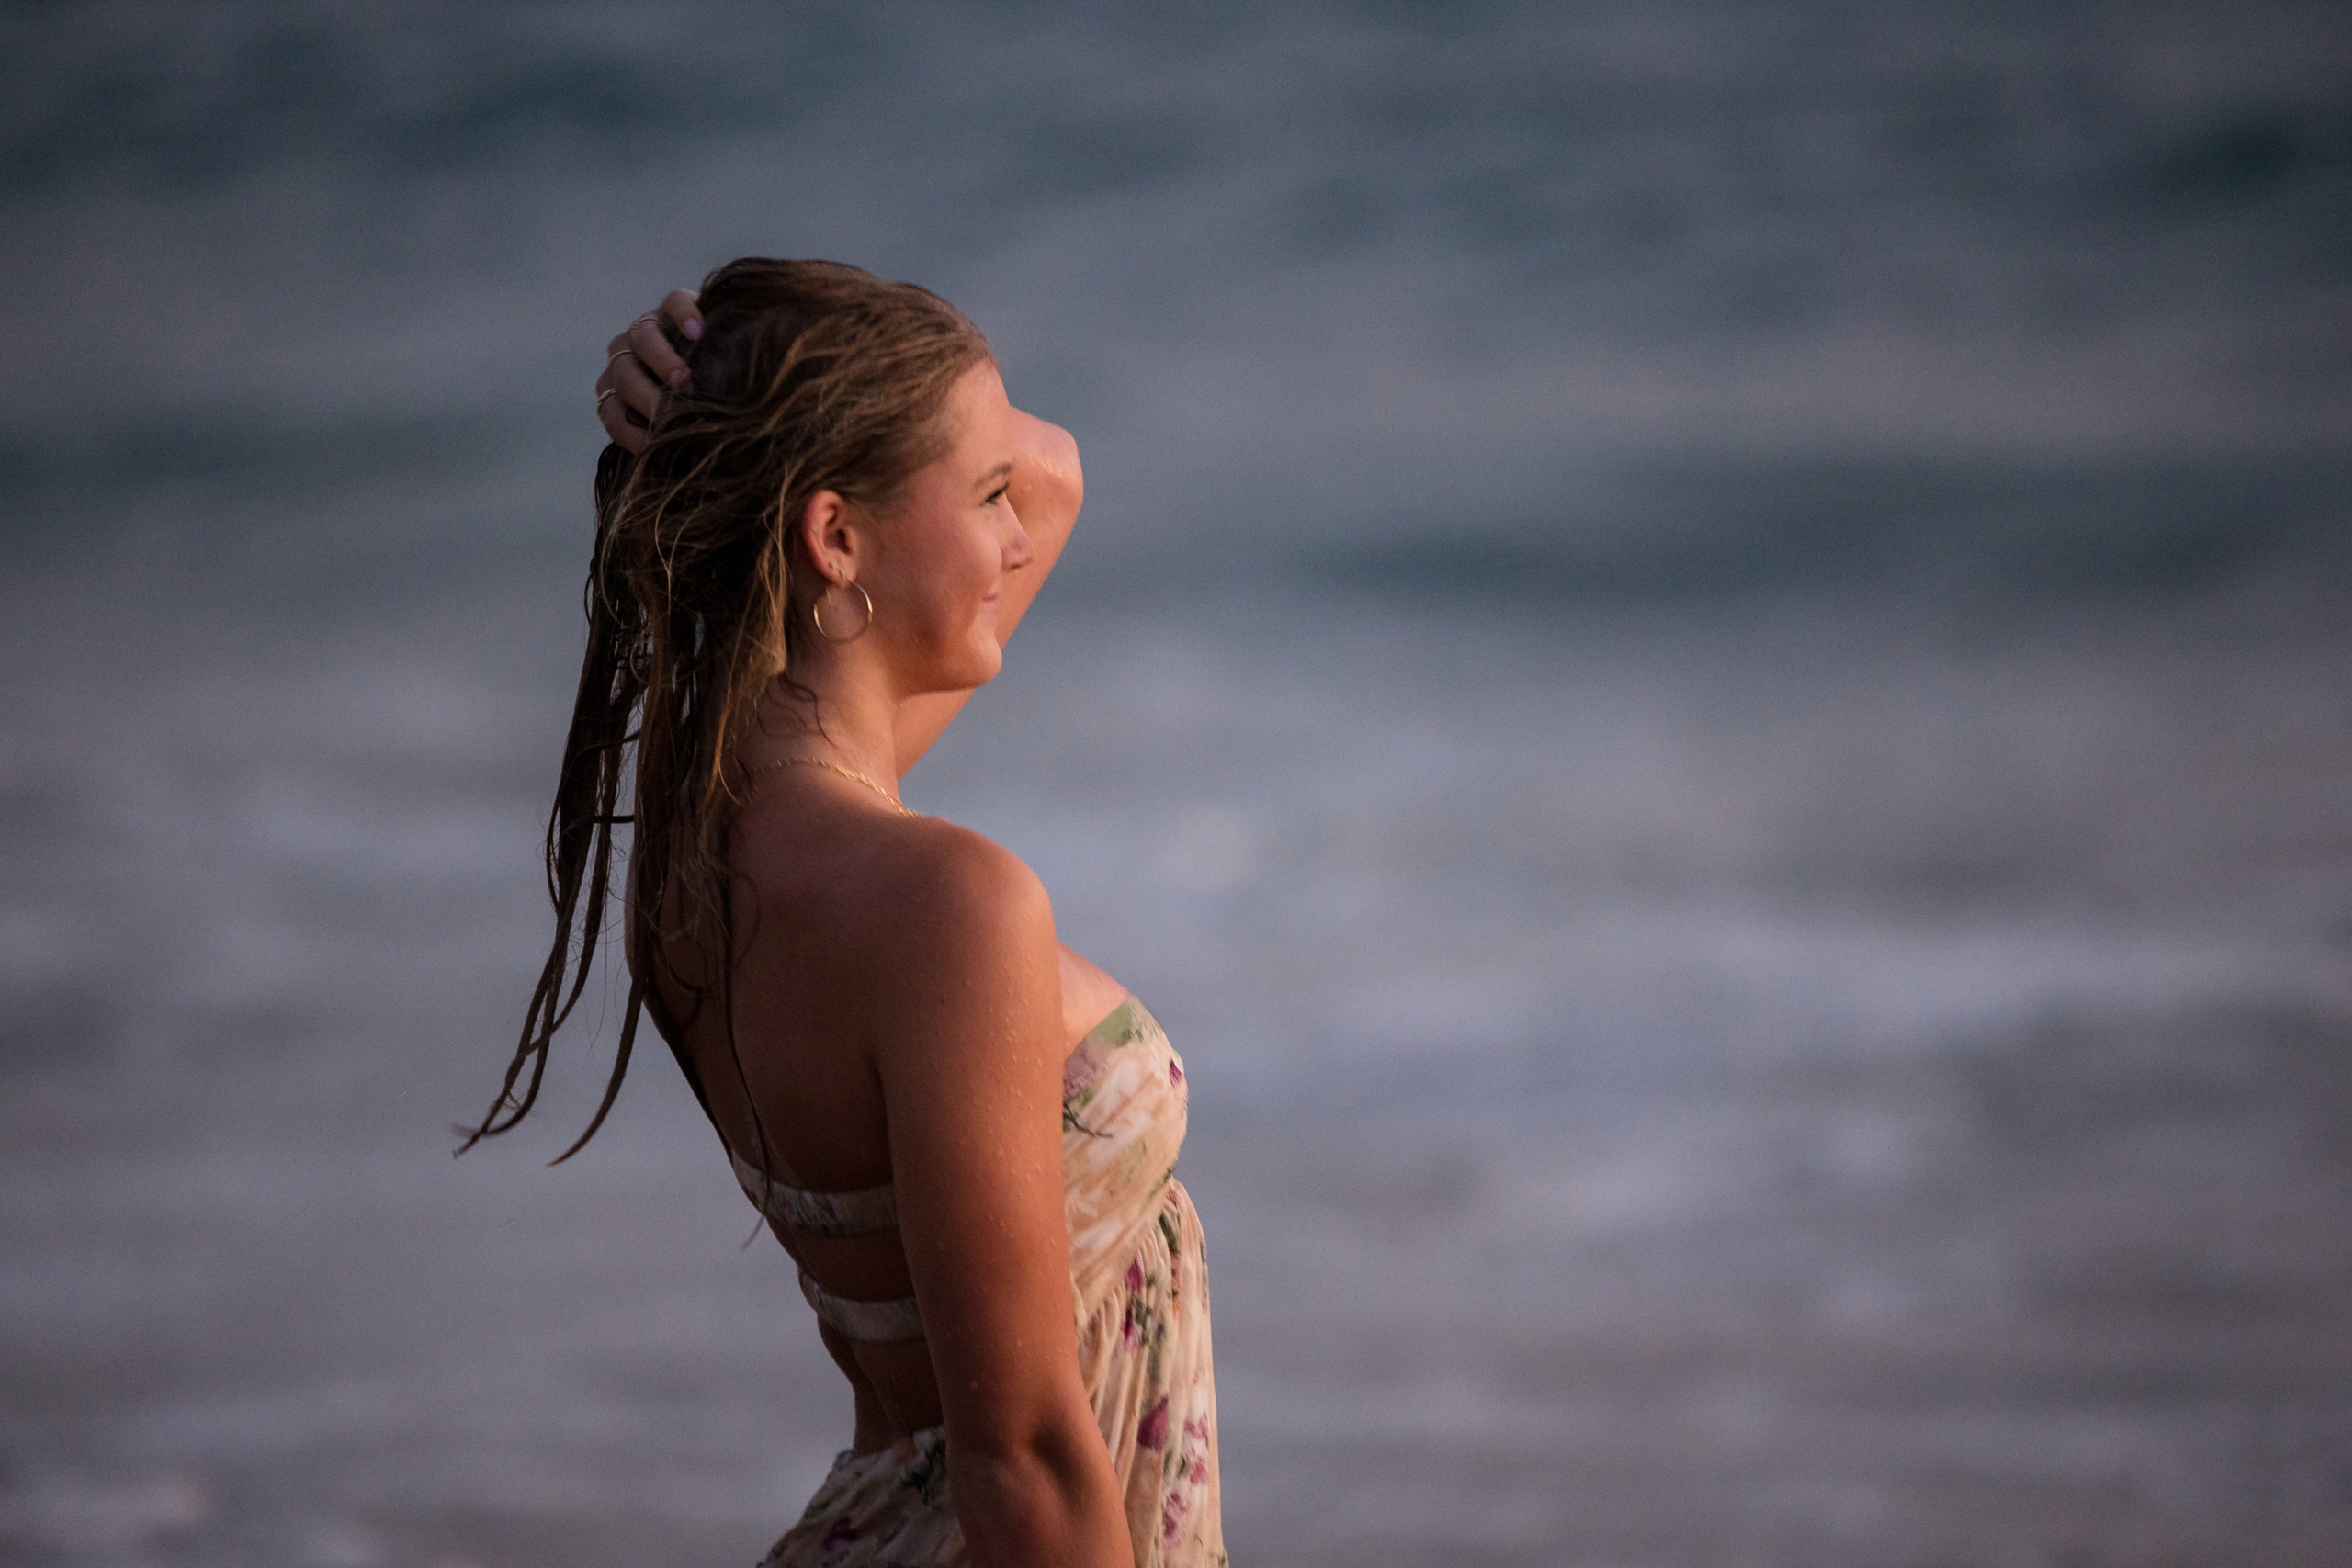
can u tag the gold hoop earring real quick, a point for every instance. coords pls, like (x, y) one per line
(817, 614)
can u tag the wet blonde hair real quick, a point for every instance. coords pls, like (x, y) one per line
(810, 375)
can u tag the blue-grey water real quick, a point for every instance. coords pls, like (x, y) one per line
(1708, 675)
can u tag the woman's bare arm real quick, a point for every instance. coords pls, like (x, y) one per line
(1048, 489)
(967, 1029)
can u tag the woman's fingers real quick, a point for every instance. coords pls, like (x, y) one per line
(650, 336)
(626, 395)
(683, 307)
(641, 363)
(634, 378)
(649, 345)
(621, 426)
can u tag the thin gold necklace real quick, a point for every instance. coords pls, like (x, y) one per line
(897, 804)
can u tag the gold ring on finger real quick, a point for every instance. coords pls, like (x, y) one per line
(607, 392)
(616, 354)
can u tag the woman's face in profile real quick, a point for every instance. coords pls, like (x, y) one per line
(947, 545)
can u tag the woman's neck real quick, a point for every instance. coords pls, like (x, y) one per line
(833, 715)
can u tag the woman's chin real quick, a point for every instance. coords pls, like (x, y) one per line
(977, 668)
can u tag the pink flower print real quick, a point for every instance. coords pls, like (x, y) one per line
(1171, 1515)
(1134, 1273)
(1131, 1328)
(1196, 1454)
(1152, 1433)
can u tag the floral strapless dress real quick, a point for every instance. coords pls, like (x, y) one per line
(1141, 1279)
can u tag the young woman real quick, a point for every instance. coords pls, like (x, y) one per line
(819, 521)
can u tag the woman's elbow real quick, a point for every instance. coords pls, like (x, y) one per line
(1047, 1496)
(1051, 471)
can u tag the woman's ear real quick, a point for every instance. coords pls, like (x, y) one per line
(829, 533)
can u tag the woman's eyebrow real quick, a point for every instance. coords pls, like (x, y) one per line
(1002, 470)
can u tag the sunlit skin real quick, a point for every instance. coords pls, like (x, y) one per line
(1048, 489)
(897, 961)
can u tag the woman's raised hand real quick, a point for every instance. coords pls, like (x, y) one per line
(642, 362)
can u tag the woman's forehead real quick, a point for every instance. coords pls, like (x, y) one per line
(977, 412)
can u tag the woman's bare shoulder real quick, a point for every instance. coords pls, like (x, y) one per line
(964, 960)
(882, 869)
(931, 874)
(909, 916)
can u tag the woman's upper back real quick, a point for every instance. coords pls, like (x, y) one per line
(827, 913)
(896, 1019)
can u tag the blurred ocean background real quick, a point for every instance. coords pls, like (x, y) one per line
(1708, 675)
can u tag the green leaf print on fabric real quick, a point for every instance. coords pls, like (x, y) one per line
(1128, 1023)
(927, 1476)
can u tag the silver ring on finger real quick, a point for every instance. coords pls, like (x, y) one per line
(616, 354)
(607, 392)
